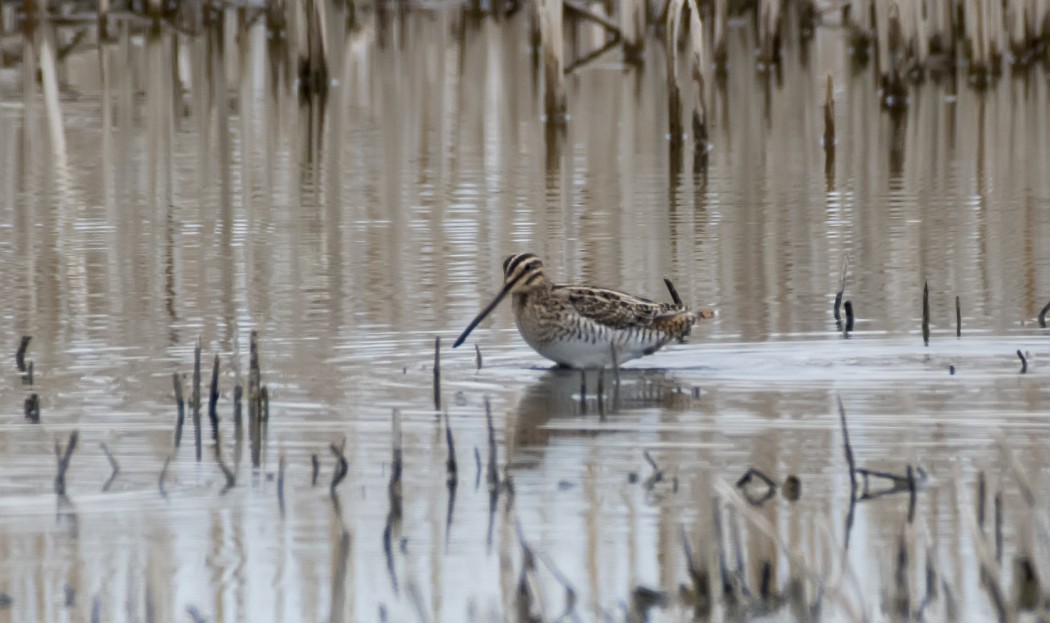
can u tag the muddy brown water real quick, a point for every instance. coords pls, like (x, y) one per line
(195, 197)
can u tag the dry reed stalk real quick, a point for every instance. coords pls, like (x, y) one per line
(313, 60)
(553, 47)
(112, 463)
(769, 30)
(632, 27)
(697, 67)
(674, 92)
(795, 557)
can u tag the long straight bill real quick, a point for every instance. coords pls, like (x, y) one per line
(481, 316)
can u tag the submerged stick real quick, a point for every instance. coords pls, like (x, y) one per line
(958, 317)
(394, 486)
(195, 400)
(437, 373)
(848, 306)
(829, 116)
(477, 351)
(341, 465)
(180, 405)
(213, 401)
(32, 408)
(926, 313)
(450, 464)
(163, 475)
(848, 450)
(493, 471)
(63, 456)
(1024, 362)
(281, 464)
(238, 397)
(23, 346)
(1042, 315)
(315, 464)
(112, 463)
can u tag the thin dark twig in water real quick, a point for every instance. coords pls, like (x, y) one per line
(437, 373)
(195, 399)
(112, 463)
(1042, 315)
(493, 470)
(848, 307)
(341, 465)
(23, 346)
(656, 476)
(926, 313)
(213, 401)
(477, 468)
(766, 495)
(32, 408)
(958, 317)
(163, 475)
(315, 469)
(1024, 362)
(180, 404)
(451, 467)
(477, 352)
(281, 464)
(583, 391)
(590, 56)
(63, 456)
(911, 495)
(848, 450)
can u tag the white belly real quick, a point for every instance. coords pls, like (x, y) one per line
(596, 353)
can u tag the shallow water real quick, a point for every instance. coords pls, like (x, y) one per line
(351, 235)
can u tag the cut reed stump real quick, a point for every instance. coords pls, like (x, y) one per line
(926, 313)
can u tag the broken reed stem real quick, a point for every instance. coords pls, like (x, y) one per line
(450, 464)
(848, 307)
(315, 469)
(20, 354)
(63, 456)
(1024, 362)
(583, 391)
(281, 464)
(180, 405)
(112, 463)
(1042, 315)
(926, 313)
(477, 351)
(213, 401)
(674, 292)
(493, 472)
(238, 397)
(32, 408)
(396, 465)
(477, 468)
(848, 450)
(437, 373)
(552, 45)
(958, 317)
(195, 399)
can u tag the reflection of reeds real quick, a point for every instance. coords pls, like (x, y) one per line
(553, 50)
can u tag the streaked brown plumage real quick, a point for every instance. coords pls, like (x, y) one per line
(581, 326)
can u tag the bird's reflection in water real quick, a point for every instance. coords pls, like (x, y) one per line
(568, 394)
